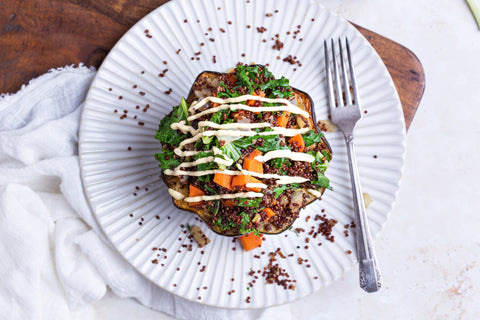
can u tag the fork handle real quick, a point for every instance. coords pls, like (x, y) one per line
(370, 276)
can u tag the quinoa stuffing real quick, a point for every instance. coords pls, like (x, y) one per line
(243, 152)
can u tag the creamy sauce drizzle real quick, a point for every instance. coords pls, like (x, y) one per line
(315, 193)
(178, 172)
(225, 196)
(290, 108)
(256, 185)
(238, 133)
(228, 162)
(280, 179)
(182, 126)
(294, 156)
(185, 154)
(175, 194)
(238, 129)
(197, 105)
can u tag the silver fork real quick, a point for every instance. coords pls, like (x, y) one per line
(345, 113)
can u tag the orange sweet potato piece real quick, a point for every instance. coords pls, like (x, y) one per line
(229, 202)
(269, 212)
(224, 180)
(250, 241)
(283, 119)
(242, 180)
(297, 143)
(260, 93)
(250, 164)
(195, 192)
(240, 114)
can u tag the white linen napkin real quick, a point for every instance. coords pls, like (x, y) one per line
(53, 256)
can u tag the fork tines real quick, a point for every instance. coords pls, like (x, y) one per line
(340, 94)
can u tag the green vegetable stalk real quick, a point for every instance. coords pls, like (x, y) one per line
(475, 11)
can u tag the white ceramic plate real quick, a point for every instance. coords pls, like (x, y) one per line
(120, 182)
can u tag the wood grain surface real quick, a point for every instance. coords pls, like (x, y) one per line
(39, 35)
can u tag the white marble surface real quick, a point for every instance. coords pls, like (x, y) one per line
(429, 249)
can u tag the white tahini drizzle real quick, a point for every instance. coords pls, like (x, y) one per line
(256, 185)
(175, 194)
(182, 126)
(237, 129)
(184, 154)
(227, 163)
(201, 103)
(315, 193)
(289, 107)
(239, 133)
(225, 196)
(295, 156)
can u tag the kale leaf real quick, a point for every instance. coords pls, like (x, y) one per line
(279, 162)
(277, 191)
(216, 207)
(205, 166)
(232, 151)
(311, 137)
(246, 202)
(227, 93)
(322, 181)
(246, 74)
(320, 165)
(243, 225)
(205, 178)
(272, 142)
(228, 225)
(327, 155)
(218, 117)
(165, 134)
(167, 159)
(276, 87)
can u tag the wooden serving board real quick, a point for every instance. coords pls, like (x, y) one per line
(39, 35)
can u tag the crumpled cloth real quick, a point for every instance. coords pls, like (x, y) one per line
(53, 255)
